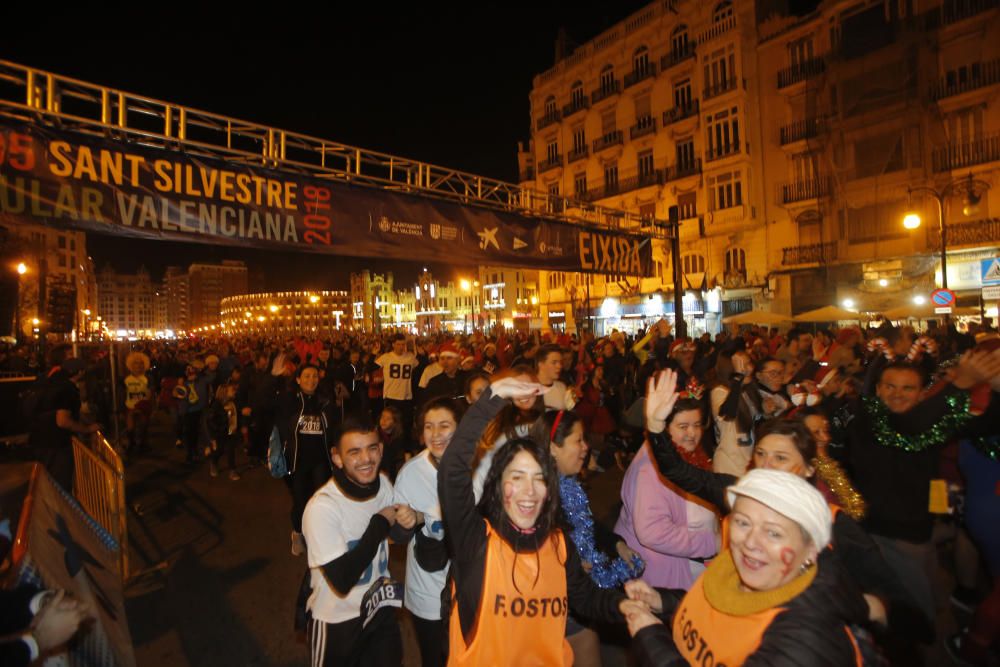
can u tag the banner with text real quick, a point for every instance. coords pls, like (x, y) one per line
(62, 178)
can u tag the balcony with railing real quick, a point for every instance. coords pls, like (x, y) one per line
(549, 163)
(719, 88)
(718, 29)
(550, 118)
(959, 155)
(643, 126)
(679, 113)
(953, 11)
(971, 77)
(606, 90)
(677, 56)
(811, 188)
(578, 104)
(623, 184)
(682, 170)
(815, 253)
(971, 233)
(800, 130)
(612, 138)
(640, 74)
(722, 150)
(578, 153)
(806, 69)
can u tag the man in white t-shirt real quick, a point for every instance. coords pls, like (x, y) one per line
(548, 362)
(397, 373)
(346, 525)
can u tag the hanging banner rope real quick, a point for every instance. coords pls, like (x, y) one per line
(62, 178)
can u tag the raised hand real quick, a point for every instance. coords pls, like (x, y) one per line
(661, 396)
(513, 388)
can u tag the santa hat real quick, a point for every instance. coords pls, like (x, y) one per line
(448, 350)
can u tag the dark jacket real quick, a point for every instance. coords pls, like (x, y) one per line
(811, 630)
(290, 410)
(466, 529)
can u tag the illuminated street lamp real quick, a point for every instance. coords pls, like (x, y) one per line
(972, 190)
(22, 268)
(313, 298)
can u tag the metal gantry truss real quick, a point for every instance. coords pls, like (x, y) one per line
(37, 96)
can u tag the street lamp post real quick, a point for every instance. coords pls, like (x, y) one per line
(971, 188)
(22, 268)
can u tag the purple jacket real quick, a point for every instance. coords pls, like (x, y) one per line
(663, 526)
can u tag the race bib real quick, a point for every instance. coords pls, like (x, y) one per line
(310, 425)
(383, 593)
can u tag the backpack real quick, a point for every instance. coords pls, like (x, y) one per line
(276, 462)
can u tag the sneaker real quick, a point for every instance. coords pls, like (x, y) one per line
(213, 469)
(298, 544)
(233, 475)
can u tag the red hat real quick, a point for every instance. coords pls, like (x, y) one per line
(448, 350)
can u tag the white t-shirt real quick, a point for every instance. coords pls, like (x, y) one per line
(416, 486)
(332, 525)
(397, 374)
(558, 397)
(433, 370)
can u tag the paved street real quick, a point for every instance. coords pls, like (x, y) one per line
(228, 592)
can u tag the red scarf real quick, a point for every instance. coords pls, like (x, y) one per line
(698, 458)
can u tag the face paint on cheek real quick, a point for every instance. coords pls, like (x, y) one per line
(787, 558)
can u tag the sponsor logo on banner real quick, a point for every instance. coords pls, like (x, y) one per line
(518, 244)
(435, 231)
(547, 249)
(488, 237)
(384, 224)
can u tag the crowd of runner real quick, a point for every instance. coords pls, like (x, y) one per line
(784, 498)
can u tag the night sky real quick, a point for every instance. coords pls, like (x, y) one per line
(446, 83)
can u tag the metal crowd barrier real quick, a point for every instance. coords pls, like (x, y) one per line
(99, 487)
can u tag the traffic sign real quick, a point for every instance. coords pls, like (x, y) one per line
(943, 297)
(991, 293)
(943, 310)
(990, 271)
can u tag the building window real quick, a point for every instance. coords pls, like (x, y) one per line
(643, 111)
(682, 94)
(879, 155)
(736, 262)
(576, 97)
(580, 185)
(550, 105)
(720, 69)
(607, 79)
(723, 11)
(62, 242)
(687, 205)
(552, 151)
(579, 140)
(611, 176)
(693, 263)
(685, 154)
(640, 61)
(800, 51)
(679, 40)
(608, 122)
(645, 165)
(803, 166)
(723, 132)
(725, 190)
(647, 211)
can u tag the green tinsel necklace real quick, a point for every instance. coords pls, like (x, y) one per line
(887, 436)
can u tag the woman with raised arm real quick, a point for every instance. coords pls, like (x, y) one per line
(515, 576)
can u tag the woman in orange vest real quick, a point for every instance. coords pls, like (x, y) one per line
(514, 579)
(777, 596)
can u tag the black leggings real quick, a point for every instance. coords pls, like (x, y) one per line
(303, 483)
(430, 637)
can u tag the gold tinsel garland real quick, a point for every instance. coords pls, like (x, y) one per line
(834, 477)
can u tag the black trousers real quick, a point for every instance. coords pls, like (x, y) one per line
(347, 644)
(432, 641)
(303, 483)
